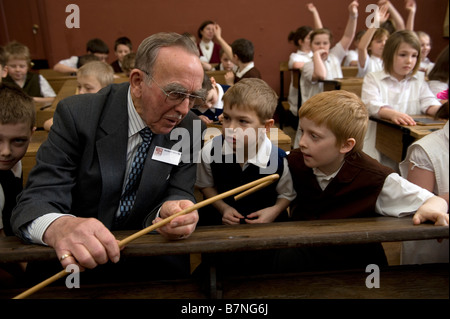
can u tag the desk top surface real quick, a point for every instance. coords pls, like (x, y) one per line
(212, 239)
(419, 130)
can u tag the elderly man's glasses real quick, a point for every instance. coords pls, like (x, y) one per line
(176, 96)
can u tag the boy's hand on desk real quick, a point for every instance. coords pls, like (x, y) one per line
(435, 210)
(266, 215)
(83, 241)
(231, 216)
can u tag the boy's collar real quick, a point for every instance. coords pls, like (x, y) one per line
(17, 169)
(262, 156)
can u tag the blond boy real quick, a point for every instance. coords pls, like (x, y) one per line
(244, 153)
(18, 61)
(91, 78)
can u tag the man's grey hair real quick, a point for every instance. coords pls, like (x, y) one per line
(149, 48)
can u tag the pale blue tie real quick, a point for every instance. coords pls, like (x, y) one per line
(129, 194)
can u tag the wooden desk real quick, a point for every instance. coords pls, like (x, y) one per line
(69, 88)
(351, 84)
(349, 71)
(393, 140)
(56, 79)
(281, 139)
(29, 160)
(223, 239)
(219, 76)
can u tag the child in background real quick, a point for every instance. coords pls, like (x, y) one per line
(398, 91)
(128, 63)
(91, 78)
(351, 58)
(18, 61)
(17, 120)
(326, 63)
(2, 63)
(243, 153)
(241, 52)
(122, 47)
(370, 48)
(94, 46)
(426, 164)
(301, 39)
(425, 47)
(335, 179)
(213, 107)
(225, 63)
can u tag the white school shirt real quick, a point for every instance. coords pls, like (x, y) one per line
(207, 53)
(240, 73)
(430, 153)
(70, 62)
(285, 188)
(219, 103)
(352, 55)
(17, 171)
(373, 64)
(398, 197)
(36, 229)
(437, 86)
(427, 65)
(334, 71)
(298, 56)
(411, 95)
(46, 88)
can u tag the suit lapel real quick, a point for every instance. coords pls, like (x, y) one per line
(112, 150)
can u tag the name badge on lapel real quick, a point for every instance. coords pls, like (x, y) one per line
(166, 155)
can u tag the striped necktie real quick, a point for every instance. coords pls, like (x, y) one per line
(129, 195)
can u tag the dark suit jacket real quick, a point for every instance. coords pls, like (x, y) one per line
(80, 169)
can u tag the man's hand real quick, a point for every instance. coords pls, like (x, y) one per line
(82, 241)
(180, 227)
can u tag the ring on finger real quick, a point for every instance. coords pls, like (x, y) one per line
(65, 256)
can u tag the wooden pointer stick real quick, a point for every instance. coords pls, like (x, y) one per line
(248, 188)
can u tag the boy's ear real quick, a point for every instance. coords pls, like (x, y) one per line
(269, 124)
(213, 81)
(348, 145)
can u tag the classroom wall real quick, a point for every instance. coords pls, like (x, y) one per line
(265, 22)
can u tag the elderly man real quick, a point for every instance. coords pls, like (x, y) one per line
(82, 186)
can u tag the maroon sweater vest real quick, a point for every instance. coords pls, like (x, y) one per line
(352, 193)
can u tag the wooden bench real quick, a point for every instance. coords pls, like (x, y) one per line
(56, 79)
(353, 85)
(68, 88)
(209, 240)
(29, 160)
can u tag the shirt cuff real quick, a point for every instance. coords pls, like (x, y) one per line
(36, 229)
